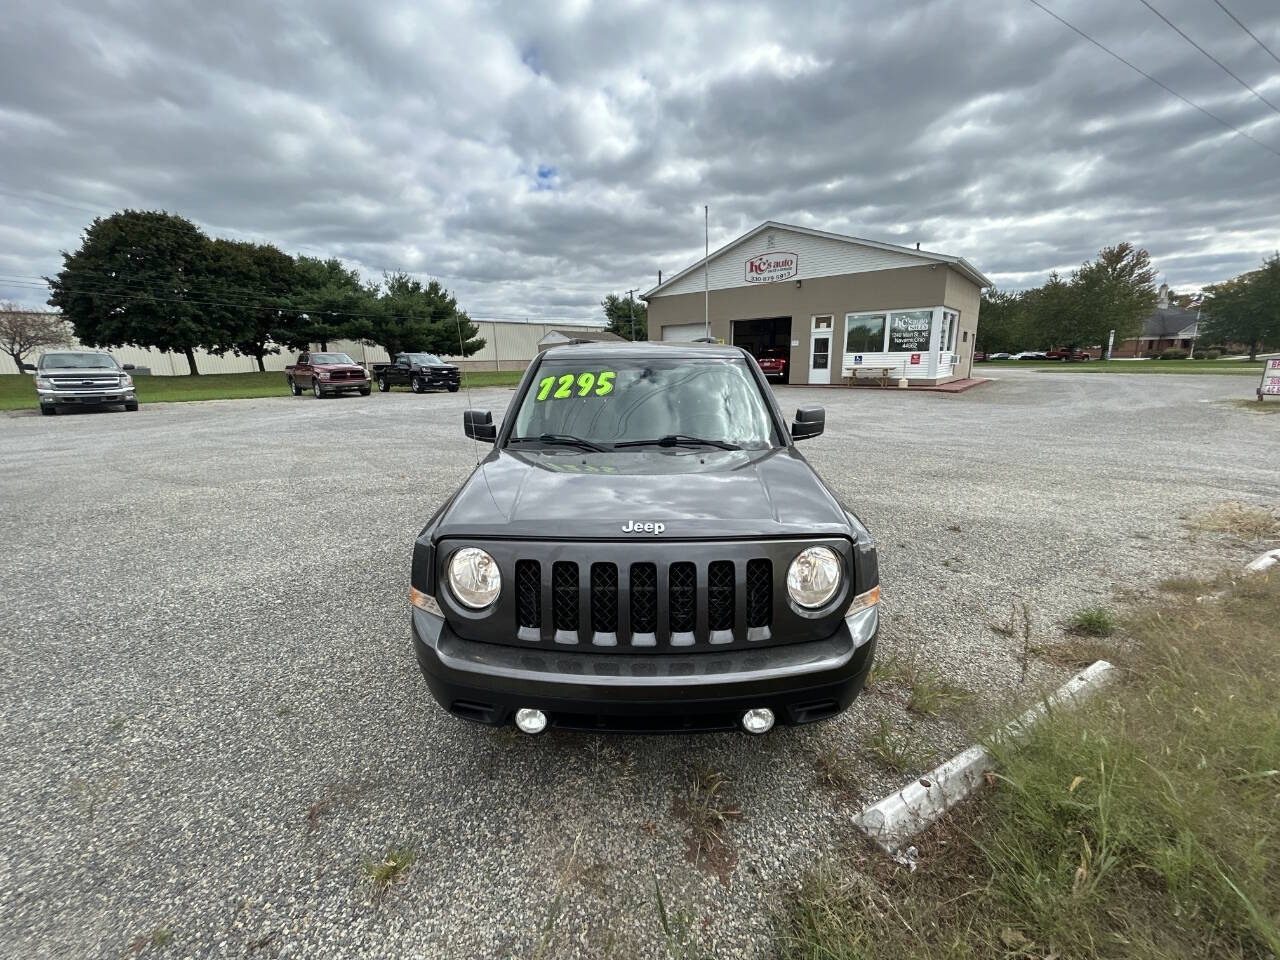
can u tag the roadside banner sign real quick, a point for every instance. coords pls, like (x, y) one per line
(1111, 342)
(1270, 385)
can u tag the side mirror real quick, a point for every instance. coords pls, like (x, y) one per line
(479, 425)
(128, 366)
(809, 422)
(28, 368)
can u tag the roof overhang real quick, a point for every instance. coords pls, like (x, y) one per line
(959, 264)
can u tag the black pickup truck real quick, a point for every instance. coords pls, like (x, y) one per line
(644, 549)
(420, 372)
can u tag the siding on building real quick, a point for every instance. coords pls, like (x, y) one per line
(819, 257)
(509, 345)
(916, 287)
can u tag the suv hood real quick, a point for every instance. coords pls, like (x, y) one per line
(564, 494)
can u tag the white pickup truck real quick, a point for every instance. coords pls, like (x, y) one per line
(82, 378)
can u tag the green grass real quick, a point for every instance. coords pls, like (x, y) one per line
(1238, 367)
(18, 391)
(1146, 824)
(1092, 622)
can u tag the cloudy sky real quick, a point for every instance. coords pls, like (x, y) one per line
(537, 156)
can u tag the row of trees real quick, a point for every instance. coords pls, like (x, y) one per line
(1117, 292)
(152, 279)
(1246, 309)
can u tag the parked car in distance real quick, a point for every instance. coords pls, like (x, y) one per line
(644, 549)
(1029, 355)
(773, 363)
(999, 356)
(82, 378)
(1066, 355)
(327, 374)
(419, 371)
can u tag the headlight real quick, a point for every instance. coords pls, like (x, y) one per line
(126, 380)
(43, 384)
(474, 577)
(814, 576)
(323, 374)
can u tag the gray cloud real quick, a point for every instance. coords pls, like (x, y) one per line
(413, 136)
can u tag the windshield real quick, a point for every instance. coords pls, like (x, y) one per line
(607, 402)
(77, 361)
(430, 359)
(330, 358)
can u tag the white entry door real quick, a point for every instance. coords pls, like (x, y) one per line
(820, 335)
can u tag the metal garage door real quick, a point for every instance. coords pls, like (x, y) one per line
(683, 331)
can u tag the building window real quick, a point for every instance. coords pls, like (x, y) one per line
(864, 333)
(950, 322)
(909, 331)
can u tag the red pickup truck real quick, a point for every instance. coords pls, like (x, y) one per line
(773, 363)
(327, 374)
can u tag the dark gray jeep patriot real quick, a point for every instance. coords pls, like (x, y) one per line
(644, 549)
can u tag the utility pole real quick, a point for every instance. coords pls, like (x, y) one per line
(706, 283)
(631, 302)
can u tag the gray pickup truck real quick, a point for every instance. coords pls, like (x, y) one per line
(82, 378)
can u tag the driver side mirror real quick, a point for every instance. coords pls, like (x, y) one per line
(809, 422)
(479, 425)
(28, 368)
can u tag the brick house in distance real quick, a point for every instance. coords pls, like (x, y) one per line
(1169, 327)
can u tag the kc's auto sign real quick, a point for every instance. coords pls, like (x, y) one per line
(772, 266)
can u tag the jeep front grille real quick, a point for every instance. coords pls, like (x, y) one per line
(733, 601)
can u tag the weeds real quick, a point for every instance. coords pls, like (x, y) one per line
(893, 751)
(927, 691)
(389, 871)
(834, 771)
(159, 938)
(931, 693)
(1092, 622)
(1144, 826)
(707, 809)
(677, 929)
(1244, 521)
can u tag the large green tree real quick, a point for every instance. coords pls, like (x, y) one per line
(252, 287)
(413, 316)
(141, 278)
(626, 316)
(1246, 309)
(1114, 292)
(332, 303)
(1002, 322)
(1051, 313)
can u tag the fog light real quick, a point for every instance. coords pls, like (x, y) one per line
(535, 721)
(759, 720)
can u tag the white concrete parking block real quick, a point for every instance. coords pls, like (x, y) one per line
(922, 802)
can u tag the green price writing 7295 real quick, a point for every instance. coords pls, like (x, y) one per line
(576, 385)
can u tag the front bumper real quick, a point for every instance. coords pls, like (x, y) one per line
(335, 385)
(801, 683)
(87, 398)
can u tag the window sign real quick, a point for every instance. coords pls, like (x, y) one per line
(864, 333)
(909, 331)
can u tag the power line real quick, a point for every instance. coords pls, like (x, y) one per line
(1225, 69)
(1248, 31)
(1107, 50)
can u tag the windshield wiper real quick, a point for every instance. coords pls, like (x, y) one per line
(679, 440)
(561, 439)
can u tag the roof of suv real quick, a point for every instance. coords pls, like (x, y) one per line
(657, 349)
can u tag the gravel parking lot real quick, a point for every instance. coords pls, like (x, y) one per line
(213, 718)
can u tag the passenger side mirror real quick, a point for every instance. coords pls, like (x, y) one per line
(479, 425)
(128, 366)
(809, 422)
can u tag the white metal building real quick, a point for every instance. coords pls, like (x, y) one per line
(509, 345)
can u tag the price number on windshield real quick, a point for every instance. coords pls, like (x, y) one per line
(585, 384)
